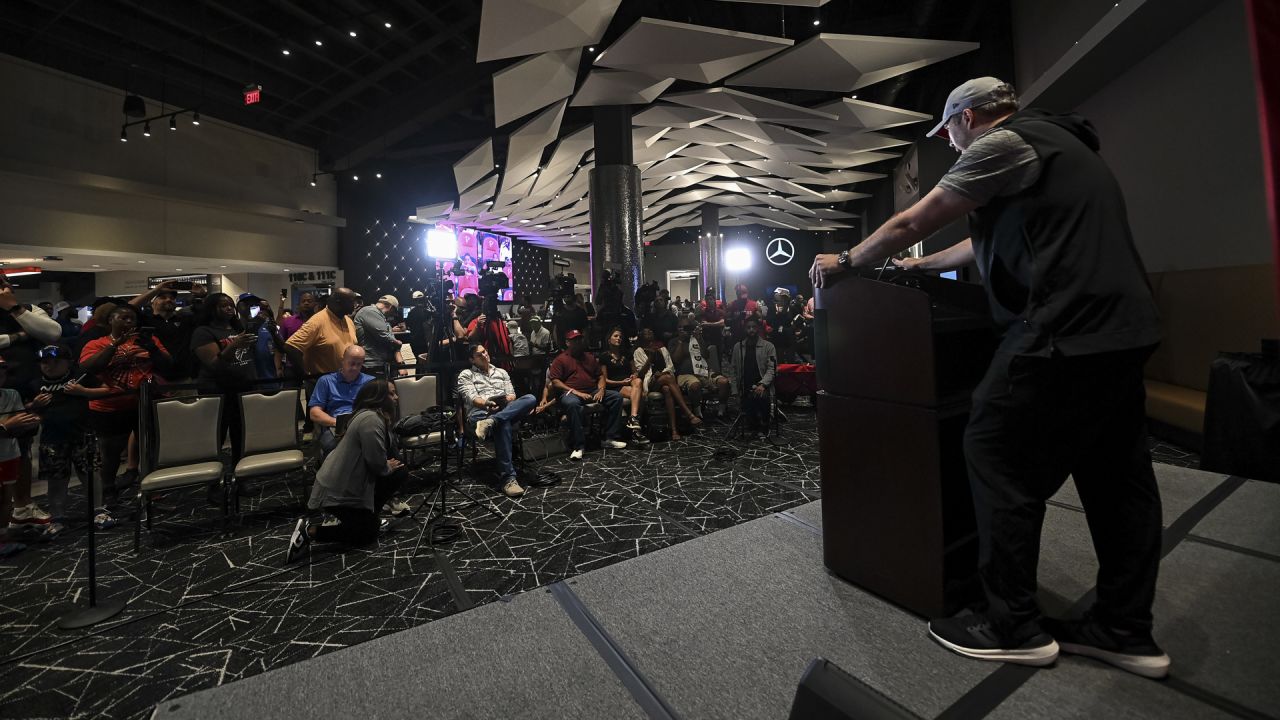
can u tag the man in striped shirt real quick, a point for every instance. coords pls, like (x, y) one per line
(494, 408)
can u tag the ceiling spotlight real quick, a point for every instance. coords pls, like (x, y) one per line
(387, 25)
(353, 33)
(817, 22)
(142, 262)
(146, 129)
(177, 269)
(195, 118)
(591, 49)
(173, 122)
(284, 51)
(124, 134)
(355, 177)
(319, 43)
(378, 175)
(285, 270)
(97, 266)
(313, 181)
(413, 217)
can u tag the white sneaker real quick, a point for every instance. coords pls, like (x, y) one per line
(482, 428)
(30, 515)
(397, 507)
(614, 444)
(512, 488)
(576, 454)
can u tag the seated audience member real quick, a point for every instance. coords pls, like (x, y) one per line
(577, 375)
(373, 332)
(712, 320)
(753, 366)
(318, 345)
(492, 405)
(657, 369)
(620, 375)
(539, 337)
(693, 374)
(359, 476)
(335, 396)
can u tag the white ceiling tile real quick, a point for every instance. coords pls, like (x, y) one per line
(736, 103)
(533, 84)
(511, 28)
(687, 52)
(619, 87)
(844, 63)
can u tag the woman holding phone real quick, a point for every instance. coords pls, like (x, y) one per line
(225, 352)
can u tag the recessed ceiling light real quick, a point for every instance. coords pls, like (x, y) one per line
(142, 262)
(285, 270)
(388, 25)
(319, 43)
(817, 22)
(97, 266)
(222, 266)
(591, 49)
(378, 175)
(284, 51)
(355, 177)
(353, 33)
(413, 217)
(177, 269)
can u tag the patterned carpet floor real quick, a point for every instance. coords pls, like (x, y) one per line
(207, 608)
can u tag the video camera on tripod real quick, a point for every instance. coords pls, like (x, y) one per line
(493, 279)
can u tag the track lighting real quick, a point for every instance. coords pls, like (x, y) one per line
(146, 129)
(195, 118)
(173, 122)
(124, 135)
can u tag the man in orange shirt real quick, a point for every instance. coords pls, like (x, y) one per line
(318, 345)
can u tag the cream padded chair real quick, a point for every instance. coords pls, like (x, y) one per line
(270, 435)
(187, 445)
(418, 394)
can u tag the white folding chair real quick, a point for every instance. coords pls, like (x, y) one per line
(270, 431)
(186, 452)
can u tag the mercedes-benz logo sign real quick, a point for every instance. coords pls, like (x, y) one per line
(779, 251)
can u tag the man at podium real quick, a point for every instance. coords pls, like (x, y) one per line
(1064, 394)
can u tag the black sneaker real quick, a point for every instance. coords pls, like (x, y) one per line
(297, 541)
(973, 635)
(1135, 652)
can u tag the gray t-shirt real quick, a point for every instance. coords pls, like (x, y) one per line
(998, 163)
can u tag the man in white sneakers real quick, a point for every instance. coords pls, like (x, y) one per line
(579, 378)
(494, 408)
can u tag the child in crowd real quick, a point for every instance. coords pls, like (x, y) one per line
(62, 403)
(15, 423)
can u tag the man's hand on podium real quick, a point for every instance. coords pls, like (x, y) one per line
(908, 263)
(824, 266)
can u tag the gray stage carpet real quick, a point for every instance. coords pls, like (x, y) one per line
(723, 626)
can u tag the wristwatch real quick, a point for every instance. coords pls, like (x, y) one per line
(843, 259)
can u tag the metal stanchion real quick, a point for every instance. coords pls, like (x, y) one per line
(96, 612)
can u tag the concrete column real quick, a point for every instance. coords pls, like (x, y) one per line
(616, 203)
(711, 250)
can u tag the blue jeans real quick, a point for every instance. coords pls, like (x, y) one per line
(572, 405)
(506, 421)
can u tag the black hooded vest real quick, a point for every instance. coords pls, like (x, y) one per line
(1058, 259)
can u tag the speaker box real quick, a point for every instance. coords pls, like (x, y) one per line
(828, 693)
(541, 447)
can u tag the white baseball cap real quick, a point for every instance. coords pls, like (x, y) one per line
(971, 93)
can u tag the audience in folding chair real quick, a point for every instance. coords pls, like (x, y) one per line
(494, 409)
(334, 397)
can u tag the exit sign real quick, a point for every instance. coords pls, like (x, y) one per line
(252, 94)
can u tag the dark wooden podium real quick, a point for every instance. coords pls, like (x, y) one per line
(898, 359)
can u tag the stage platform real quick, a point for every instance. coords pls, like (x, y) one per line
(723, 625)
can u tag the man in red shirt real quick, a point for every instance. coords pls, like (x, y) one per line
(738, 312)
(577, 375)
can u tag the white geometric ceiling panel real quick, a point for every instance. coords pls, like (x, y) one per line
(674, 166)
(511, 194)
(786, 153)
(833, 214)
(766, 133)
(786, 187)
(745, 105)
(619, 87)
(673, 116)
(429, 212)
(721, 153)
(859, 142)
(844, 161)
(693, 196)
(647, 136)
(705, 135)
(679, 181)
(730, 170)
(841, 177)
(474, 166)
(783, 169)
(844, 63)
(781, 203)
(837, 196)
(479, 194)
(855, 115)
(687, 52)
(525, 146)
(732, 200)
(511, 28)
(533, 84)
(660, 150)
(729, 186)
